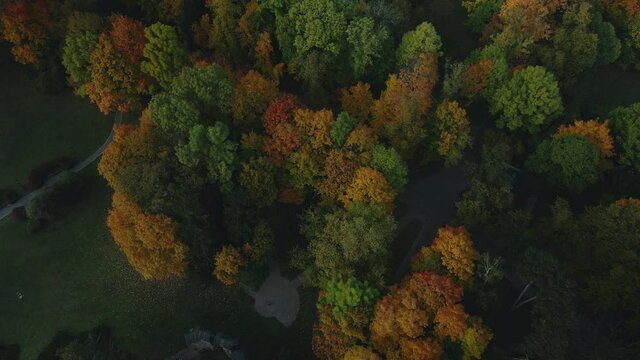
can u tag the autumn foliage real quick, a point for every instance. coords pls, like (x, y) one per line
(27, 25)
(357, 100)
(597, 133)
(149, 241)
(371, 187)
(128, 37)
(476, 77)
(228, 263)
(452, 249)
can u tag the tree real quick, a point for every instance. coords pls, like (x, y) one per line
(452, 131)
(257, 179)
(114, 80)
(482, 202)
(574, 48)
(417, 316)
(317, 25)
(366, 44)
(528, 101)
(281, 142)
(595, 132)
(339, 170)
(128, 37)
(569, 161)
(609, 45)
(390, 164)
(424, 39)
(478, 65)
(456, 248)
(227, 264)
(262, 244)
(523, 23)
(211, 147)
(369, 186)
(360, 353)
(479, 12)
(149, 241)
(343, 296)
(280, 110)
(164, 55)
(315, 127)
(476, 77)
(254, 93)
(341, 128)
(208, 88)
(218, 30)
(352, 242)
(357, 101)
(28, 26)
(173, 115)
(76, 56)
(626, 132)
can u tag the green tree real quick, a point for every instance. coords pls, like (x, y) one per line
(424, 39)
(390, 164)
(163, 53)
(528, 101)
(366, 45)
(257, 178)
(211, 147)
(609, 45)
(570, 162)
(173, 115)
(481, 203)
(208, 88)
(626, 132)
(344, 295)
(341, 128)
(76, 55)
(353, 242)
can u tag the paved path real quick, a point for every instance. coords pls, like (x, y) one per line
(6, 211)
(430, 200)
(278, 297)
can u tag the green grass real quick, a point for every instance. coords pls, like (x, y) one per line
(36, 126)
(74, 277)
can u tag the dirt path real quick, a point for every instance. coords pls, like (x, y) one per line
(430, 200)
(6, 211)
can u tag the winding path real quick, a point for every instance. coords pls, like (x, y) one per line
(429, 200)
(6, 211)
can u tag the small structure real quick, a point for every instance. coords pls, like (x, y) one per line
(206, 345)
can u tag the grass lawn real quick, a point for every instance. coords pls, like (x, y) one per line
(36, 126)
(73, 277)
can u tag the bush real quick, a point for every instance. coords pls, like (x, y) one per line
(51, 202)
(39, 175)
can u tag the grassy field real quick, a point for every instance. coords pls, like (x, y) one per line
(36, 126)
(73, 277)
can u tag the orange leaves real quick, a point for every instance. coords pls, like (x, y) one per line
(593, 131)
(628, 202)
(114, 81)
(228, 263)
(253, 95)
(456, 248)
(128, 37)
(357, 100)
(27, 26)
(451, 321)
(371, 187)
(476, 76)
(421, 349)
(403, 315)
(149, 241)
(281, 143)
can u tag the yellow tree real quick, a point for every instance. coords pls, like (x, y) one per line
(228, 263)
(315, 127)
(371, 187)
(357, 100)
(148, 240)
(456, 248)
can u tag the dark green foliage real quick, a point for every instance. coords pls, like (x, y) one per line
(208, 88)
(173, 115)
(499, 67)
(625, 127)
(528, 101)
(390, 164)
(366, 44)
(51, 202)
(239, 217)
(480, 12)
(341, 129)
(164, 54)
(211, 148)
(570, 162)
(96, 344)
(424, 39)
(257, 178)
(482, 203)
(609, 45)
(553, 309)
